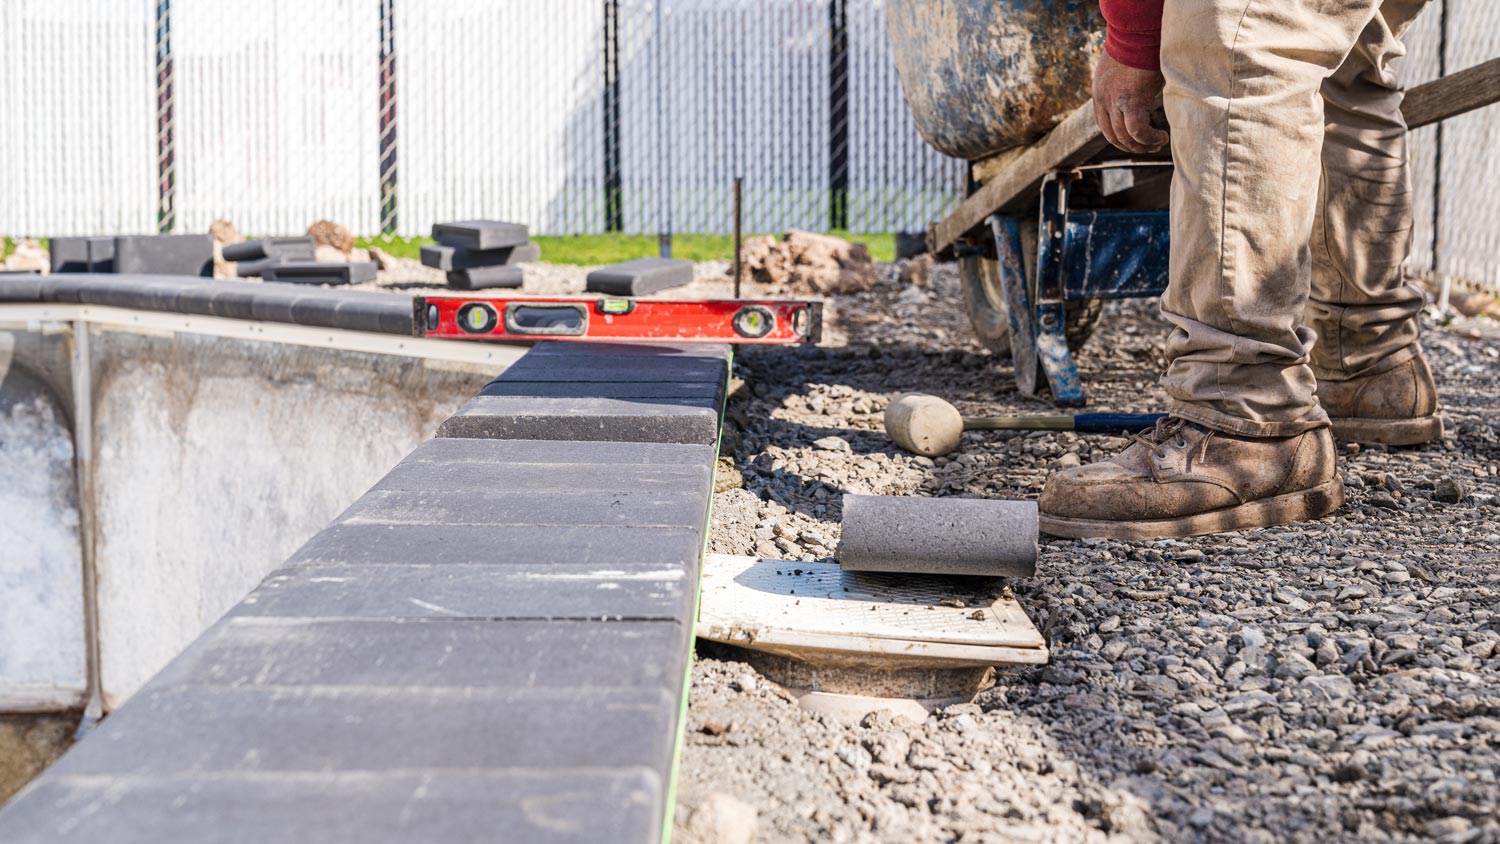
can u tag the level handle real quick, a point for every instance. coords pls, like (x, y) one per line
(1114, 423)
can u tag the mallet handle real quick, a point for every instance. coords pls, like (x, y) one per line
(1083, 423)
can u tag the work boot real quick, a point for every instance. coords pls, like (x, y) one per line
(1181, 479)
(1395, 407)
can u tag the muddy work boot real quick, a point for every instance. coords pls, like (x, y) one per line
(1181, 479)
(1395, 407)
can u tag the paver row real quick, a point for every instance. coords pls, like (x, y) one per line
(509, 610)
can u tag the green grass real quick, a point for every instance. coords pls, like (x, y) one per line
(590, 250)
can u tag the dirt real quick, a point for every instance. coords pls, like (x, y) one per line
(28, 744)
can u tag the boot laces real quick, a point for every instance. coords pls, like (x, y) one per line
(1169, 430)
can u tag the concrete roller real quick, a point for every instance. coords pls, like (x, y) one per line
(967, 536)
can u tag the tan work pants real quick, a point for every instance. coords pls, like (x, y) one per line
(1291, 206)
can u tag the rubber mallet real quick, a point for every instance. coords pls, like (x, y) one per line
(929, 426)
(985, 537)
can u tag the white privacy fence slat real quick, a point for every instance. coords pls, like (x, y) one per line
(78, 147)
(573, 116)
(277, 109)
(500, 113)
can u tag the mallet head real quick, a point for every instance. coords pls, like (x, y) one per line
(924, 424)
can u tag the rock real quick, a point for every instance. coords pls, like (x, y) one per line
(1071, 460)
(383, 259)
(224, 232)
(223, 268)
(917, 271)
(1249, 702)
(727, 476)
(855, 757)
(1329, 688)
(1448, 730)
(1383, 501)
(1252, 637)
(28, 255)
(329, 233)
(720, 819)
(807, 261)
(1450, 491)
(324, 253)
(833, 443)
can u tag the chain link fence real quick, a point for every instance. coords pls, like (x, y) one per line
(1455, 174)
(573, 116)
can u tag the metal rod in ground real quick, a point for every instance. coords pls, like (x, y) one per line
(738, 182)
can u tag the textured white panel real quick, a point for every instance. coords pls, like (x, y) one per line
(78, 151)
(897, 182)
(1468, 242)
(1423, 43)
(501, 116)
(277, 103)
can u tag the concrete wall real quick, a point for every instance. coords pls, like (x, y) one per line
(215, 459)
(41, 608)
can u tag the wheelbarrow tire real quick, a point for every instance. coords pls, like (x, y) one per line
(985, 302)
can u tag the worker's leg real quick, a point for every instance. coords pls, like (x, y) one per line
(1372, 379)
(1249, 445)
(1242, 94)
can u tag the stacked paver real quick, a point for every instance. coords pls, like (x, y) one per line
(492, 641)
(253, 257)
(479, 254)
(640, 277)
(167, 254)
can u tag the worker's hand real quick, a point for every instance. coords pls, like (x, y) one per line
(1123, 99)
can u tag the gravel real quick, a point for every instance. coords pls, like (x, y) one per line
(1329, 681)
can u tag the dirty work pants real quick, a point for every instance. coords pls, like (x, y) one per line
(1291, 206)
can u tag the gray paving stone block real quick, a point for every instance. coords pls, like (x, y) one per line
(451, 258)
(606, 349)
(607, 389)
(520, 507)
(435, 652)
(674, 420)
(18, 273)
(194, 730)
(660, 592)
(619, 369)
(631, 549)
(256, 267)
(82, 254)
(441, 449)
(23, 288)
(480, 234)
(484, 476)
(482, 278)
(302, 248)
(640, 277)
(553, 806)
(166, 254)
(318, 272)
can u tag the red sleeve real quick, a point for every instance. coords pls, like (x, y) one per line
(1134, 36)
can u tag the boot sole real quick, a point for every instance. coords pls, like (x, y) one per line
(1313, 503)
(1422, 429)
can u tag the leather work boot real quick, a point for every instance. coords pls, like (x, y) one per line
(1395, 407)
(1181, 479)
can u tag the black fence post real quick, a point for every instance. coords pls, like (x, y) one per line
(614, 210)
(388, 165)
(166, 122)
(838, 114)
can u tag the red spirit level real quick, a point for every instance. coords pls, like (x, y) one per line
(766, 321)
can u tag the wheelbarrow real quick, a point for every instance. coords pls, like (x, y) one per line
(1055, 220)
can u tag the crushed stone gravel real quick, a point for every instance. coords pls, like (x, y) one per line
(1330, 681)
